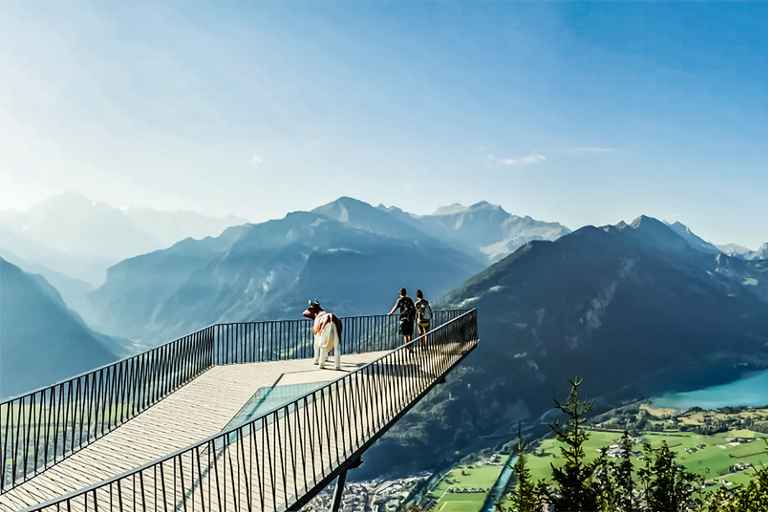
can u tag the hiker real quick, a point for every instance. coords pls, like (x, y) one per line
(407, 315)
(327, 334)
(423, 315)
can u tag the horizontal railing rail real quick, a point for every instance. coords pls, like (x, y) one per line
(41, 428)
(282, 458)
(280, 340)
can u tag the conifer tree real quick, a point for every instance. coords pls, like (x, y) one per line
(668, 486)
(523, 498)
(624, 472)
(576, 492)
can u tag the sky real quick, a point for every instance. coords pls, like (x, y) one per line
(580, 113)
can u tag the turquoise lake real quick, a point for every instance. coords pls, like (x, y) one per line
(750, 391)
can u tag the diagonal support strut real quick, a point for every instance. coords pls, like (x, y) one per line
(339, 489)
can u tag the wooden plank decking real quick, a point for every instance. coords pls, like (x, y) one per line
(198, 410)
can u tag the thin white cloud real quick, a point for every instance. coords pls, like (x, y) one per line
(594, 150)
(256, 160)
(533, 158)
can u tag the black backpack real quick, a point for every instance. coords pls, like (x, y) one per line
(409, 310)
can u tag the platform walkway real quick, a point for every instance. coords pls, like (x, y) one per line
(155, 432)
(193, 413)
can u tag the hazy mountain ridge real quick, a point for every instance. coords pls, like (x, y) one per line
(128, 301)
(485, 231)
(170, 227)
(73, 291)
(744, 253)
(693, 240)
(759, 254)
(101, 229)
(79, 237)
(88, 268)
(268, 271)
(36, 325)
(634, 309)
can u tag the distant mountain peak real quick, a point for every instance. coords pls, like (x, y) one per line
(458, 208)
(644, 222)
(692, 239)
(760, 254)
(78, 226)
(350, 200)
(69, 195)
(734, 249)
(390, 209)
(341, 204)
(679, 225)
(451, 209)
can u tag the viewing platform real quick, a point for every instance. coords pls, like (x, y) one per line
(232, 417)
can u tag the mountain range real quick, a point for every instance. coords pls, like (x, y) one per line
(634, 309)
(41, 340)
(351, 256)
(80, 237)
(484, 231)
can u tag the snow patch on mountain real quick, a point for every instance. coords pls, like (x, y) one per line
(605, 295)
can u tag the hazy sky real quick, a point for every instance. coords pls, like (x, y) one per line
(582, 113)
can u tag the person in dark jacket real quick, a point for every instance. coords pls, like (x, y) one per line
(407, 315)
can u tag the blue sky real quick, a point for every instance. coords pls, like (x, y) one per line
(582, 113)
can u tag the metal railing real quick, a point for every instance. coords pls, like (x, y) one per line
(256, 342)
(41, 428)
(280, 459)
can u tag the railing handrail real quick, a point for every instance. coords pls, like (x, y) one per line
(131, 385)
(233, 430)
(178, 340)
(103, 367)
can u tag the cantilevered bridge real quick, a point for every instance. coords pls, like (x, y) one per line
(231, 417)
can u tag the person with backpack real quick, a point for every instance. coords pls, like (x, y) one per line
(423, 314)
(407, 315)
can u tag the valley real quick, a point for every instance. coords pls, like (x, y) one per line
(723, 446)
(686, 315)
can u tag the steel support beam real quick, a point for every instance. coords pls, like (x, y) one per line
(339, 489)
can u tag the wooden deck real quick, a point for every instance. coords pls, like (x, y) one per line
(195, 412)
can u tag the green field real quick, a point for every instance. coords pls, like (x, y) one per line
(687, 433)
(712, 459)
(464, 478)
